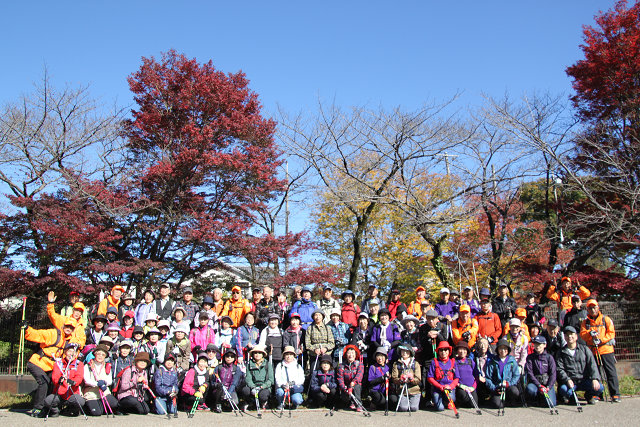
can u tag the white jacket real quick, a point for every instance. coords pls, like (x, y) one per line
(293, 370)
(91, 391)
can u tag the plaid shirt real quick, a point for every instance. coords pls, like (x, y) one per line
(350, 372)
(340, 334)
(191, 309)
(318, 336)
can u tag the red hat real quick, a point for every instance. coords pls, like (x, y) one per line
(420, 288)
(353, 347)
(565, 279)
(117, 288)
(442, 345)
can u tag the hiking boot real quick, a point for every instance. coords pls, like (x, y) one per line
(203, 407)
(564, 400)
(592, 400)
(352, 407)
(217, 409)
(36, 413)
(615, 399)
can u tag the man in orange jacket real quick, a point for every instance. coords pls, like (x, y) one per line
(52, 343)
(58, 320)
(464, 328)
(598, 332)
(112, 300)
(489, 325)
(562, 295)
(415, 307)
(237, 307)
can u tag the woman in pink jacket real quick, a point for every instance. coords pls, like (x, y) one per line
(201, 336)
(133, 384)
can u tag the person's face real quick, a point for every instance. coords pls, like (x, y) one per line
(99, 324)
(202, 363)
(318, 318)
(187, 297)
(228, 358)
(384, 319)
(258, 356)
(531, 300)
(514, 329)
(282, 298)
(485, 306)
(179, 335)
(484, 346)
(235, 295)
(203, 322)
(74, 298)
(325, 366)
(502, 290)
(443, 353)
(217, 295)
(268, 293)
(381, 359)
(462, 353)
(593, 310)
(225, 324)
(249, 320)
(111, 317)
(327, 294)
(116, 293)
(113, 334)
(405, 354)
(571, 338)
(444, 297)
(206, 307)
(363, 322)
(141, 365)
(138, 336)
(297, 292)
(164, 291)
(374, 309)
(289, 357)
(566, 285)
(335, 318)
(179, 315)
(211, 354)
(128, 302)
(76, 314)
(348, 299)
(164, 331)
(70, 353)
(410, 325)
(273, 323)
(169, 363)
(503, 351)
(257, 296)
(306, 295)
(420, 294)
(534, 331)
(465, 316)
(99, 356)
(295, 322)
(148, 297)
(127, 321)
(151, 323)
(351, 355)
(577, 304)
(552, 330)
(153, 338)
(395, 297)
(468, 294)
(539, 347)
(432, 321)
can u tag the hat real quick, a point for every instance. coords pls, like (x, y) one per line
(163, 323)
(445, 291)
(431, 313)
(531, 295)
(117, 288)
(74, 293)
(326, 358)
(327, 288)
(296, 314)
(420, 288)
(126, 342)
(570, 330)
(467, 288)
(151, 316)
(374, 301)
(154, 331)
(107, 339)
(129, 313)
(372, 285)
(180, 308)
(350, 347)
(347, 292)
(69, 321)
(503, 342)
(515, 322)
(208, 299)
(72, 345)
(142, 356)
(336, 311)
(462, 344)
(363, 314)
(202, 355)
(258, 348)
(521, 312)
(591, 303)
(395, 291)
(275, 316)
(127, 297)
(289, 349)
(138, 330)
(465, 308)
(455, 292)
(484, 299)
(575, 297)
(100, 318)
(565, 279)
(182, 327)
(485, 291)
(308, 288)
(236, 289)
(538, 339)
(317, 310)
(187, 290)
(553, 323)
(113, 327)
(112, 310)
(443, 345)
(382, 350)
(227, 319)
(101, 348)
(405, 347)
(425, 302)
(535, 325)
(151, 292)
(170, 356)
(231, 350)
(203, 315)
(165, 285)
(78, 306)
(407, 319)
(256, 291)
(212, 347)
(384, 312)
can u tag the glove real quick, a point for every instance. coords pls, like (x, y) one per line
(176, 351)
(102, 385)
(596, 341)
(543, 389)
(71, 382)
(466, 336)
(255, 390)
(350, 390)
(490, 339)
(24, 324)
(198, 395)
(202, 388)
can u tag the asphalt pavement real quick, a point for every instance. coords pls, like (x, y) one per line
(625, 413)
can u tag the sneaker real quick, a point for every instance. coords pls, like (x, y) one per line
(203, 407)
(352, 407)
(36, 413)
(615, 399)
(175, 414)
(358, 409)
(592, 400)
(217, 409)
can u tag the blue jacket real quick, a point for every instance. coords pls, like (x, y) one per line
(165, 381)
(510, 374)
(319, 378)
(230, 375)
(304, 309)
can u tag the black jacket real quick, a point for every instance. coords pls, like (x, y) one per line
(577, 367)
(505, 309)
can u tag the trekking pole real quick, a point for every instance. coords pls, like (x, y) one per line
(453, 405)
(386, 396)
(502, 399)
(359, 405)
(473, 401)
(259, 409)
(105, 404)
(603, 373)
(400, 398)
(550, 403)
(289, 399)
(315, 363)
(521, 388)
(575, 396)
(174, 403)
(194, 408)
(282, 405)
(20, 364)
(81, 409)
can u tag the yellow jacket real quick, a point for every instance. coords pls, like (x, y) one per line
(236, 310)
(52, 343)
(58, 322)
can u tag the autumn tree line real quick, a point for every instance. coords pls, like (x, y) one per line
(519, 190)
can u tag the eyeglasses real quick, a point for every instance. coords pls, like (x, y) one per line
(235, 292)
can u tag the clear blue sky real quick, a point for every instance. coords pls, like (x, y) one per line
(376, 52)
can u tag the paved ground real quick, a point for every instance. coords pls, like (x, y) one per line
(626, 413)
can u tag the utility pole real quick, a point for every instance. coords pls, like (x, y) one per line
(286, 219)
(446, 159)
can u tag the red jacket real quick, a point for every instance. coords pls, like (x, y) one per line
(350, 313)
(74, 372)
(489, 325)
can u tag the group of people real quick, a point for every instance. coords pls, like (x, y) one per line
(163, 355)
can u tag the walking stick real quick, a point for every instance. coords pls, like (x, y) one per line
(400, 398)
(20, 364)
(575, 396)
(359, 405)
(603, 372)
(229, 398)
(550, 403)
(174, 402)
(315, 363)
(386, 396)
(473, 401)
(502, 398)
(258, 408)
(194, 408)
(408, 401)
(288, 390)
(453, 405)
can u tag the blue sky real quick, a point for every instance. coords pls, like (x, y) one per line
(389, 53)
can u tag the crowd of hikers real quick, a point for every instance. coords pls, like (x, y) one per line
(273, 351)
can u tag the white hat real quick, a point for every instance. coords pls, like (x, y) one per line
(515, 322)
(164, 323)
(445, 291)
(151, 316)
(182, 328)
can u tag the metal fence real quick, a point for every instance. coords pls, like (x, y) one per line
(625, 316)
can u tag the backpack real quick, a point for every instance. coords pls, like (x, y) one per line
(118, 380)
(440, 374)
